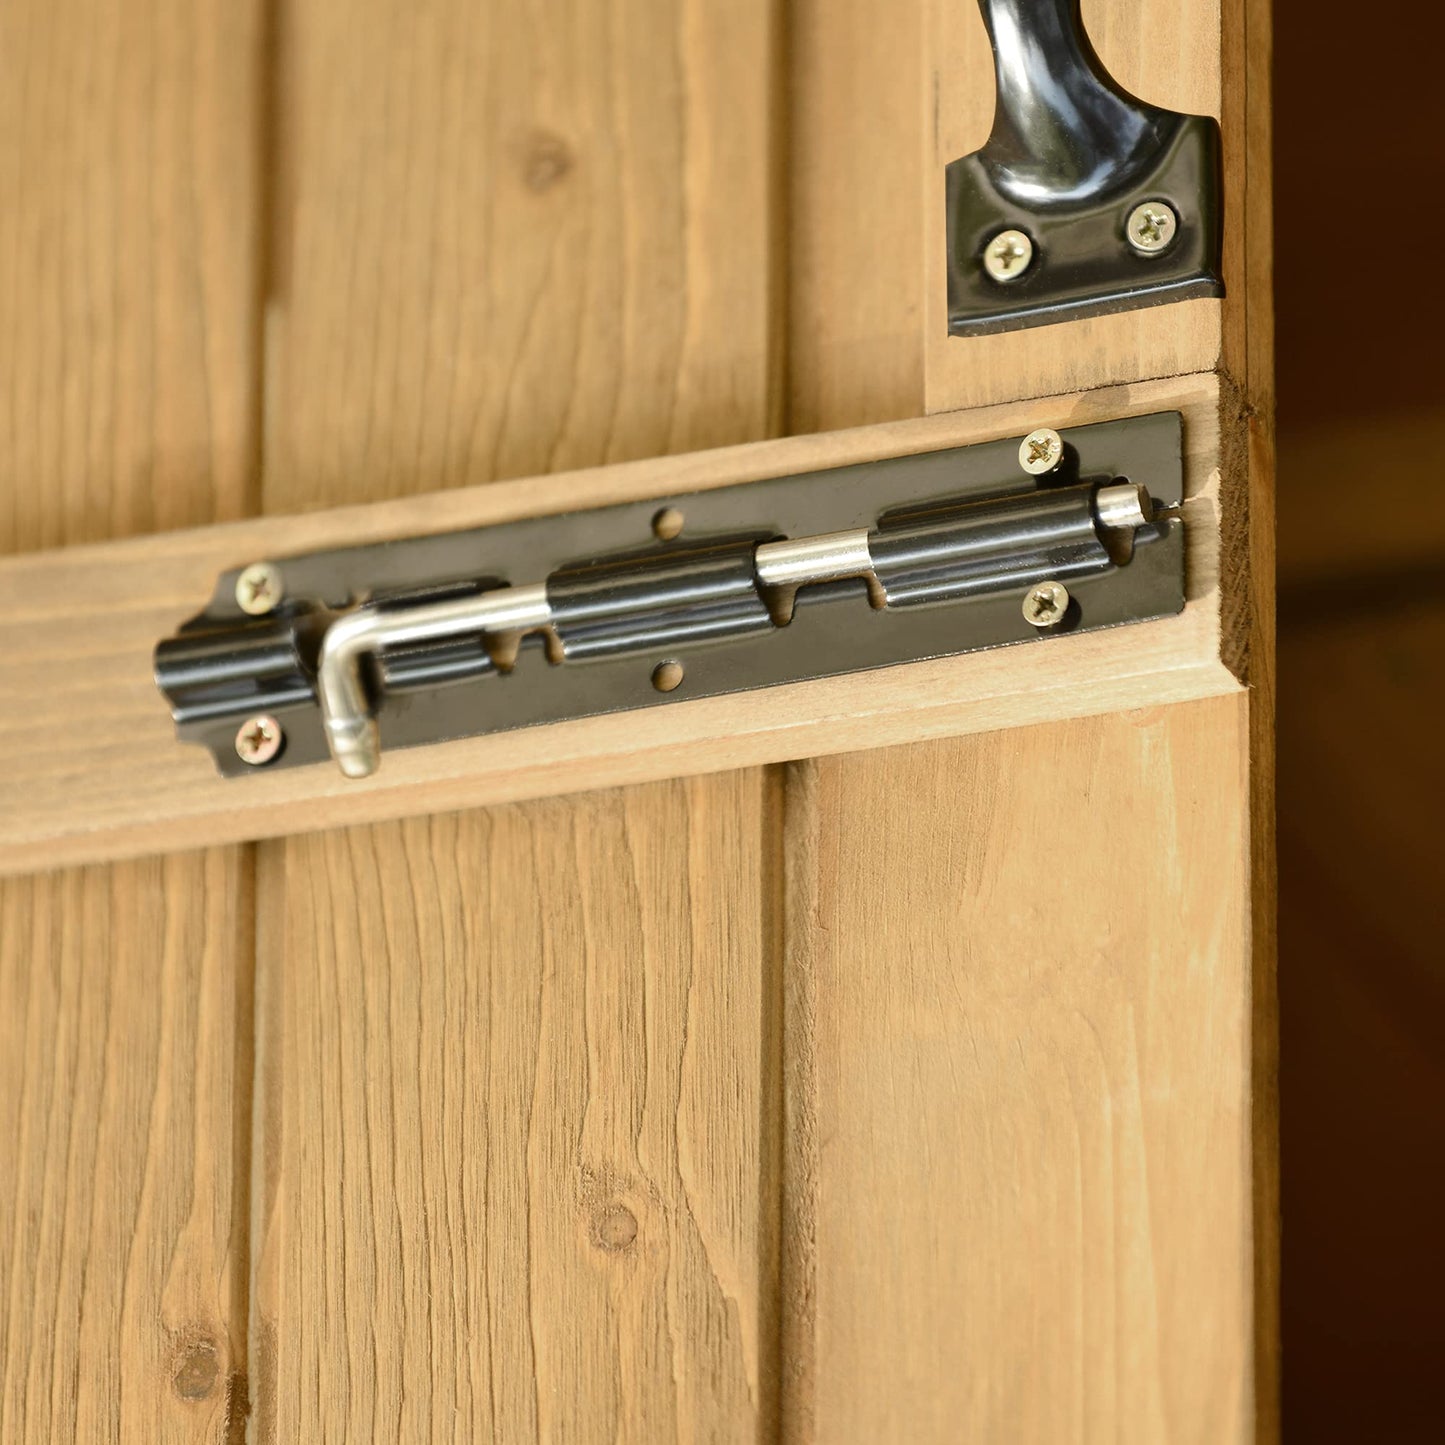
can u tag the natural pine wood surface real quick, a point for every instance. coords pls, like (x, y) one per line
(1104, 1266)
(516, 1089)
(128, 251)
(1030, 1078)
(1021, 1122)
(128, 271)
(62, 798)
(512, 239)
(528, 1104)
(124, 1045)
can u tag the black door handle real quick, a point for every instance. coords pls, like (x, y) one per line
(1084, 199)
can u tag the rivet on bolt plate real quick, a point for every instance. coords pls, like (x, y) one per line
(259, 588)
(1041, 451)
(1008, 255)
(259, 740)
(1151, 227)
(1046, 604)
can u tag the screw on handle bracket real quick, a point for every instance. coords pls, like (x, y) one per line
(1084, 200)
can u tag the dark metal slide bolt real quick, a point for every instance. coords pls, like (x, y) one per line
(1084, 199)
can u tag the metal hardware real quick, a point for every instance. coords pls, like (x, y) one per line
(415, 641)
(258, 740)
(1072, 162)
(1041, 451)
(345, 709)
(259, 588)
(1046, 605)
(1123, 507)
(1007, 256)
(1151, 227)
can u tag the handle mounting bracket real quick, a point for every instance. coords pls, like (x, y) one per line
(1084, 200)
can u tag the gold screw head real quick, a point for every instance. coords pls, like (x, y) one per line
(1151, 227)
(259, 588)
(1041, 451)
(1008, 256)
(258, 740)
(1046, 604)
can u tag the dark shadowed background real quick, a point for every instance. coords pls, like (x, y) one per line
(1359, 165)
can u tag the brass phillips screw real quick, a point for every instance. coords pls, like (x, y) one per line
(1151, 227)
(259, 740)
(259, 589)
(1008, 255)
(1046, 604)
(1041, 451)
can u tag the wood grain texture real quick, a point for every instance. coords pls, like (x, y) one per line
(517, 238)
(526, 1180)
(128, 283)
(1030, 1181)
(517, 1089)
(1030, 1074)
(128, 256)
(64, 797)
(124, 1042)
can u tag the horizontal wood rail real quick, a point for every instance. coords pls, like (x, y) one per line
(90, 768)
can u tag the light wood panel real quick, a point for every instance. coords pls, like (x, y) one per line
(527, 1106)
(1029, 1026)
(517, 238)
(128, 266)
(124, 1045)
(1030, 1073)
(77, 630)
(518, 1088)
(128, 248)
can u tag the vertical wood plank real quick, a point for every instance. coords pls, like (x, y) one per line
(124, 1041)
(1031, 1069)
(128, 270)
(128, 254)
(525, 1080)
(518, 238)
(517, 1097)
(1028, 1032)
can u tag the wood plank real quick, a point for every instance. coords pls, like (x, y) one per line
(77, 631)
(128, 251)
(1032, 1196)
(128, 279)
(124, 1049)
(526, 1143)
(524, 1193)
(1032, 1166)
(514, 240)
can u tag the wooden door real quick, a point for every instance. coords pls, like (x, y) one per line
(823, 1092)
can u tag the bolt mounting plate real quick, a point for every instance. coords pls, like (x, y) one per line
(225, 666)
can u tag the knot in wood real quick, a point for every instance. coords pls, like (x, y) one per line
(614, 1227)
(198, 1366)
